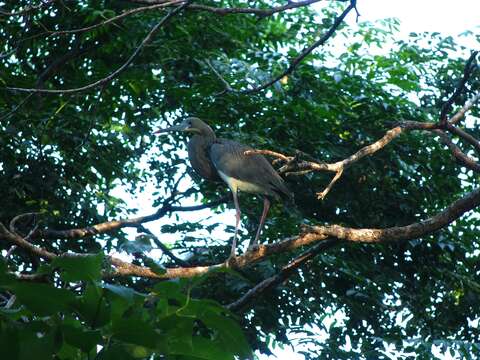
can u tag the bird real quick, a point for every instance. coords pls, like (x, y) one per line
(216, 159)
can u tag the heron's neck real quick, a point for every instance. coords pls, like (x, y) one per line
(207, 134)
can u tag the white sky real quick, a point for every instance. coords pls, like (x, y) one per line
(448, 17)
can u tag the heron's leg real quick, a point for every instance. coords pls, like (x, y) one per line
(266, 207)
(237, 222)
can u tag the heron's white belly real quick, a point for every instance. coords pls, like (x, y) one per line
(236, 184)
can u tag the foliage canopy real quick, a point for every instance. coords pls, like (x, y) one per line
(63, 154)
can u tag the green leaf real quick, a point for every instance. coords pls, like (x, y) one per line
(170, 290)
(209, 350)
(75, 268)
(42, 345)
(80, 338)
(135, 331)
(229, 333)
(115, 352)
(92, 306)
(123, 292)
(43, 299)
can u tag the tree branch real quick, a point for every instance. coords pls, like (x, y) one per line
(258, 12)
(281, 276)
(240, 10)
(118, 17)
(464, 159)
(311, 235)
(464, 135)
(114, 74)
(162, 246)
(114, 225)
(467, 71)
(297, 60)
(461, 113)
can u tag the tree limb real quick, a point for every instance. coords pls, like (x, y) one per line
(464, 159)
(461, 113)
(464, 135)
(311, 235)
(467, 71)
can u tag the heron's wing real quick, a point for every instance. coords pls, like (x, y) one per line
(229, 158)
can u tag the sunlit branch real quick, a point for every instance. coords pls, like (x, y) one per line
(310, 235)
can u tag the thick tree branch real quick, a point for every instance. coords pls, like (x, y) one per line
(311, 235)
(13, 238)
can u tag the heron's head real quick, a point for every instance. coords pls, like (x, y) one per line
(190, 125)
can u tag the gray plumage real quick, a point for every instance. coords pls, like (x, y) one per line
(221, 159)
(229, 157)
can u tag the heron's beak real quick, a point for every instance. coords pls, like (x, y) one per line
(180, 127)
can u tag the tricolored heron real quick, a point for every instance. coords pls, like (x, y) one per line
(217, 159)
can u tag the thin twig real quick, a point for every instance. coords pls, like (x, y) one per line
(297, 60)
(461, 113)
(114, 74)
(281, 276)
(17, 218)
(464, 135)
(226, 85)
(464, 159)
(321, 195)
(467, 71)
(116, 18)
(15, 109)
